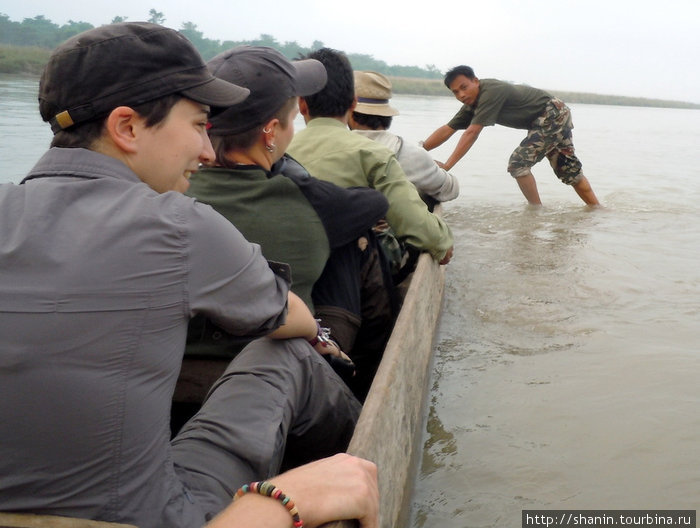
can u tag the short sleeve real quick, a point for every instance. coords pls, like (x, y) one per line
(489, 104)
(462, 119)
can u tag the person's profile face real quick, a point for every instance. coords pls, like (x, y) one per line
(465, 89)
(171, 151)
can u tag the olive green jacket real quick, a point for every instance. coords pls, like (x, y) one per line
(331, 152)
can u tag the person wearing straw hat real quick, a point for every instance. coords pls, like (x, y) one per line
(104, 261)
(372, 118)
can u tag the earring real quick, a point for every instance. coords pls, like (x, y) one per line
(270, 146)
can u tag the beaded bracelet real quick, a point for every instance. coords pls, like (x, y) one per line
(269, 490)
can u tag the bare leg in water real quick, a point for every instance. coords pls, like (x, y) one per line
(585, 191)
(528, 186)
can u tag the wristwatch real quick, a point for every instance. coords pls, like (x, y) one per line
(323, 336)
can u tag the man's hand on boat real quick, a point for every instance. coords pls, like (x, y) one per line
(448, 256)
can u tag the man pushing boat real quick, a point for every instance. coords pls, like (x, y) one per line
(548, 121)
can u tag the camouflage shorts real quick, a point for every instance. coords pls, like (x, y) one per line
(550, 135)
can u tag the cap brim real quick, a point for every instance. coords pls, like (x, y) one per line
(384, 110)
(311, 76)
(217, 93)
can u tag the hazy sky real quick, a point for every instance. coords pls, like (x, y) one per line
(619, 47)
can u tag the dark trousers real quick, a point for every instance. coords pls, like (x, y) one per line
(278, 404)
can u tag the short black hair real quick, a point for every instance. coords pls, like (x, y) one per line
(467, 71)
(83, 135)
(375, 122)
(338, 95)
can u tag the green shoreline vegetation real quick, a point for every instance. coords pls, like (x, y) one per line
(25, 48)
(435, 87)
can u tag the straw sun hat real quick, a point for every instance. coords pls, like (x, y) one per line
(373, 91)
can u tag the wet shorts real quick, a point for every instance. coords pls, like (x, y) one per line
(550, 135)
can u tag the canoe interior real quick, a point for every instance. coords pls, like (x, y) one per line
(388, 430)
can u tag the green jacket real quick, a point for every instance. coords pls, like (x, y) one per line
(331, 152)
(270, 211)
(295, 218)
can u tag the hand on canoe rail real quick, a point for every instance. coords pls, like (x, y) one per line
(448, 256)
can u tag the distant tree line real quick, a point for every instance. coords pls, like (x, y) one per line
(25, 47)
(42, 33)
(38, 31)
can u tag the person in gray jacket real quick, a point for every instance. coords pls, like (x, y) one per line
(372, 118)
(104, 262)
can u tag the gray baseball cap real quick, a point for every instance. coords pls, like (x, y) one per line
(271, 78)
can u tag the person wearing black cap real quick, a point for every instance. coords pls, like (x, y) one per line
(310, 224)
(102, 268)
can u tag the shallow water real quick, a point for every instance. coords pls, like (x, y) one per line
(23, 135)
(567, 358)
(566, 370)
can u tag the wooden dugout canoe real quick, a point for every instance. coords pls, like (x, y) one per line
(388, 430)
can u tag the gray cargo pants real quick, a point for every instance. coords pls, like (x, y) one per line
(278, 404)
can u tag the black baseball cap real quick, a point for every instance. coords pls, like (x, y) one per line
(271, 78)
(126, 64)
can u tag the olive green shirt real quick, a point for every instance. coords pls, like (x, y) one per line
(502, 103)
(269, 210)
(331, 152)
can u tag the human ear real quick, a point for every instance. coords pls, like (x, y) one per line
(269, 132)
(348, 114)
(304, 109)
(122, 127)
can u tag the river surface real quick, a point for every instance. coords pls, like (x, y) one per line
(567, 368)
